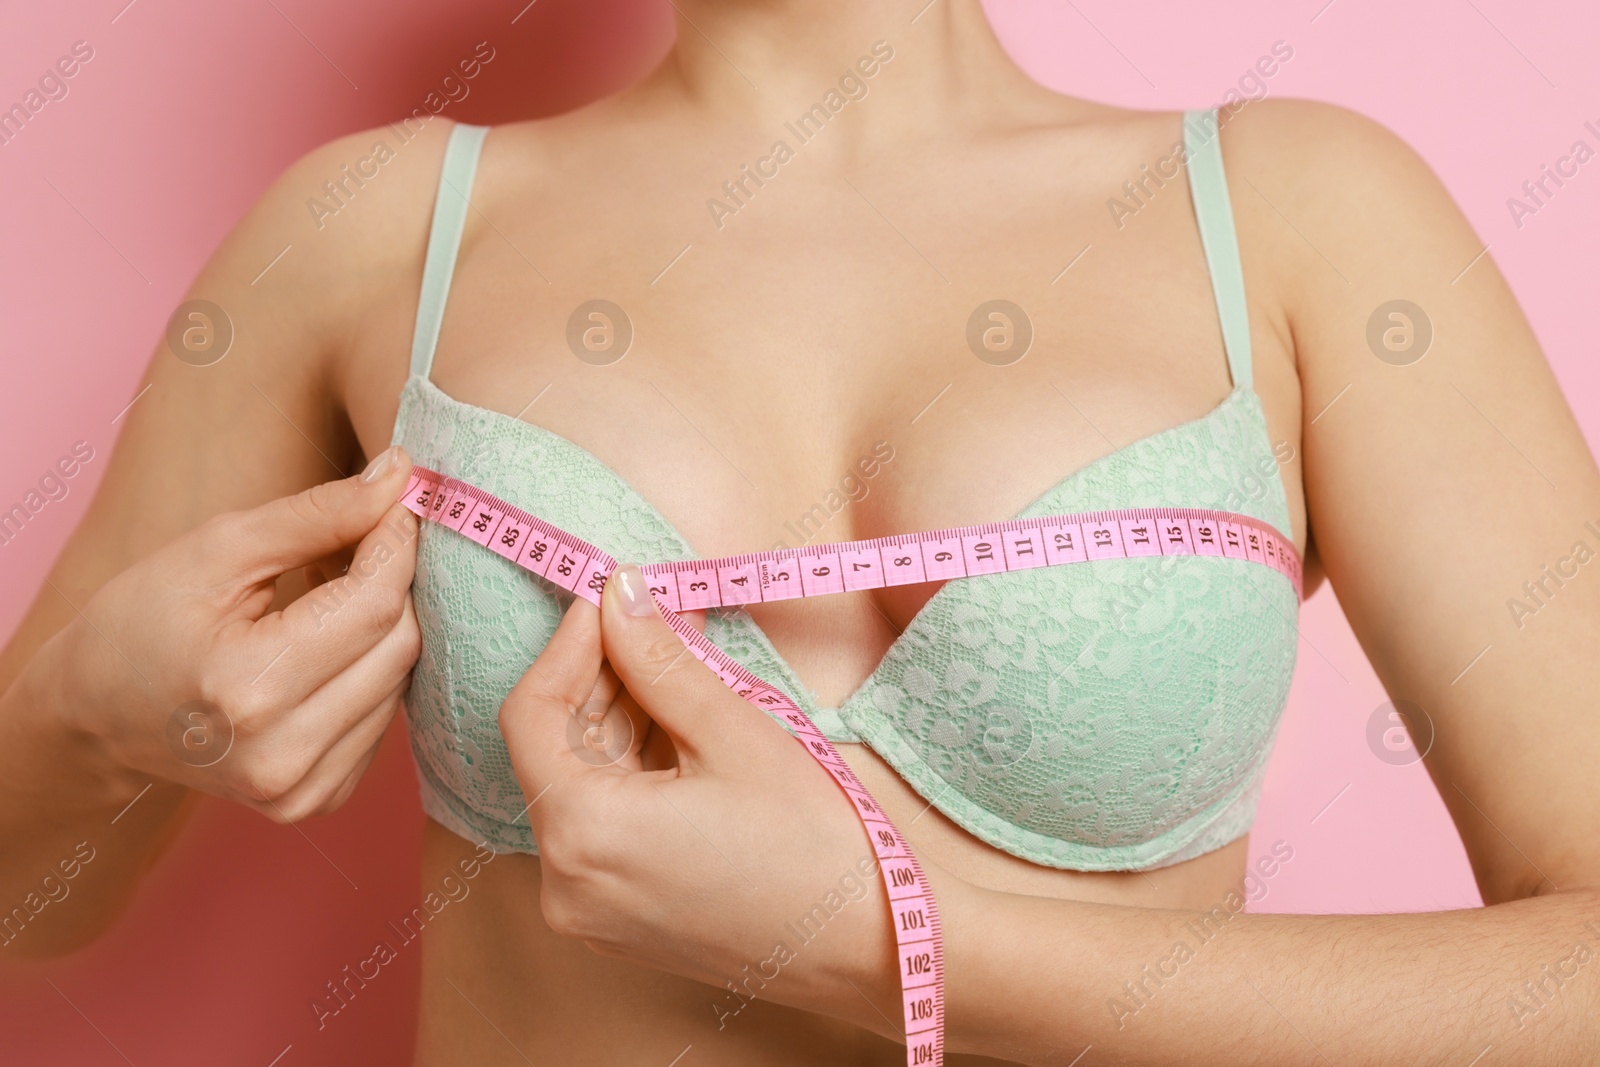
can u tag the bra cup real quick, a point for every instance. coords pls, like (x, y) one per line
(1105, 715)
(483, 619)
(1093, 712)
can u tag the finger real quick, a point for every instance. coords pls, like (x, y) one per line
(318, 720)
(262, 543)
(611, 728)
(537, 714)
(334, 625)
(652, 746)
(282, 744)
(348, 787)
(681, 694)
(315, 575)
(353, 779)
(333, 777)
(331, 566)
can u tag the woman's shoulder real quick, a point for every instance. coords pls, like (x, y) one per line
(351, 210)
(1321, 148)
(339, 233)
(317, 263)
(1329, 198)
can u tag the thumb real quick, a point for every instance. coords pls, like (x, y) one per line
(681, 694)
(537, 715)
(294, 531)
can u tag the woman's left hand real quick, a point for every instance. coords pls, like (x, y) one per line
(703, 840)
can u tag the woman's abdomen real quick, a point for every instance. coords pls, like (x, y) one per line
(499, 987)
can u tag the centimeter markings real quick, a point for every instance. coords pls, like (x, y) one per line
(763, 577)
(820, 570)
(581, 568)
(918, 934)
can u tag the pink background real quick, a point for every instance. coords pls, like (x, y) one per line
(189, 109)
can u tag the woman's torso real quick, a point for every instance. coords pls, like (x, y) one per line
(841, 292)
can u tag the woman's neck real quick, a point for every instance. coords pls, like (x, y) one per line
(763, 63)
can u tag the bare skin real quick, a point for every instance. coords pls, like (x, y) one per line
(841, 293)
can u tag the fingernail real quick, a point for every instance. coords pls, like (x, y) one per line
(633, 591)
(381, 464)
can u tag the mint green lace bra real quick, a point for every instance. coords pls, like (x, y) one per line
(1109, 716)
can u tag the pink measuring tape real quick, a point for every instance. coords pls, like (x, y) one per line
(789, 574)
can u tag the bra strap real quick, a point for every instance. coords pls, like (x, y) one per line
(1212, 208)
(444, 240)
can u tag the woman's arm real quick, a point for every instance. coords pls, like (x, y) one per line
(261, 423)
(1453, 501)
(1437, 491)
(1043, 980)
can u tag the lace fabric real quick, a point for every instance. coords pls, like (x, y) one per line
(1103, 716)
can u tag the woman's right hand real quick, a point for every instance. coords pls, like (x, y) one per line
(177, 670)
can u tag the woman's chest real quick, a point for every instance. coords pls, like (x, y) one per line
(741, 379)
(842, 358)
(821, 377)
